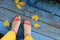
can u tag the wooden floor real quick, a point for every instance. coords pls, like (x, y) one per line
(49, 18)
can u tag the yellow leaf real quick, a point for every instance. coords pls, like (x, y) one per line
(21, 3)
(19, 7)
(6, 23)
(16, 1)
(36, 25)
(35, 17)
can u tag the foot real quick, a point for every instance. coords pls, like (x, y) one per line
(16, 24)
(27, 28)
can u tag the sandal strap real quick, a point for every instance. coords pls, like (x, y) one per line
(27, 23)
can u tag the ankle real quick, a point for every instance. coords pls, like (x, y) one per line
(26, 35)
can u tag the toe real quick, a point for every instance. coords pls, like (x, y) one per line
(17, 18)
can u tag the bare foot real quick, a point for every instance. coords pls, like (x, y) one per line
(27, 28)
(16, 24)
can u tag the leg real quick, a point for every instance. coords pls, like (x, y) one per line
(16, 24)
(27, 30)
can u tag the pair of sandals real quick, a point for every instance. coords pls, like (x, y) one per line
(16, 23)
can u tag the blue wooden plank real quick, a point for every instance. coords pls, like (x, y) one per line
(12, 7)
(46, 29)
(32, 2)
(4, 30)
(50, 7)
(40, 37)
